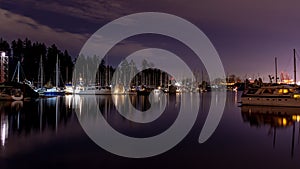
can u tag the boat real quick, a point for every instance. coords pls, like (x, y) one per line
(92, 90)
(272, 94)
(69, 89)
(10, 93)
(278, 95)
(40, 88)
(54, 91)
(16, 91)
(105, 90)
(171, 89)
(143, 90)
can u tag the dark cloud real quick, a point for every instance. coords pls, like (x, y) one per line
(18, 26)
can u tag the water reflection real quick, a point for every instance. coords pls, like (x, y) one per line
(130, 114)
(275, 118)
(13, 107)
(47, 134)
(20, 119)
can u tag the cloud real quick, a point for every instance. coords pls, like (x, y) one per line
(15, 26)
(88, 9)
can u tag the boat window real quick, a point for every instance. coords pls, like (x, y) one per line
(296, 96)
(283, 91)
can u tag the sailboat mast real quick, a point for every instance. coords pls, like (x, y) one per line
(276, 70)
(295, 81)
(41, 72)
(56, 82)
(18, 75)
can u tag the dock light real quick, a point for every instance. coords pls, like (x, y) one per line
(2, 54)
(296, 118)
(284, 121)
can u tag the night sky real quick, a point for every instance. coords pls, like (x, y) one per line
(247, 34)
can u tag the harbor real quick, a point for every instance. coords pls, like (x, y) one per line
(149, 84)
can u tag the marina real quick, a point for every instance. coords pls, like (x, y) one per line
(149, 84)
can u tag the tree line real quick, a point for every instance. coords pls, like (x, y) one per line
(29, 54)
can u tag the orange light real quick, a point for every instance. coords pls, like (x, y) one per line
(284, 121)
(296, 96)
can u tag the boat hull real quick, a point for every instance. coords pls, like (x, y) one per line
(271, 101)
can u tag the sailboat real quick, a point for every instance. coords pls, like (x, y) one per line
(55, 91)
(15, 90)
(41, 89)
(274, 94)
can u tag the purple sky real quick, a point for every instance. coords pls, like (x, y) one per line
(247, 34)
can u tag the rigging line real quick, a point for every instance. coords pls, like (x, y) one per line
(298, 56)
(288, 64)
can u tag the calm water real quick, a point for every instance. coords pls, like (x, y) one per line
(47, 134)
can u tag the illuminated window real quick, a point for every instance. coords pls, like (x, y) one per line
(296, 96)
(283, 91)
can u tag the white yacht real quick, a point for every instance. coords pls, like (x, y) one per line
(278, 95)
(92, 90)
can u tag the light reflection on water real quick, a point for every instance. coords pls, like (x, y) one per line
(274, 118)
(46, 134)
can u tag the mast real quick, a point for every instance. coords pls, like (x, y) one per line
(56, 82)
(160, 78)
(41, 72)
(18, 73)
(295, 81)
(276, 70)
(17, 70)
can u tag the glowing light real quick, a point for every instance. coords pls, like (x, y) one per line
(296, 118)
(284, 91)
(296, 96)
(2, 54)
(284, 121)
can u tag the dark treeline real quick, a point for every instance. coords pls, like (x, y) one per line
(29, 54)
(127, 73)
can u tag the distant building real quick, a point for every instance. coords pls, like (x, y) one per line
(3, 67)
